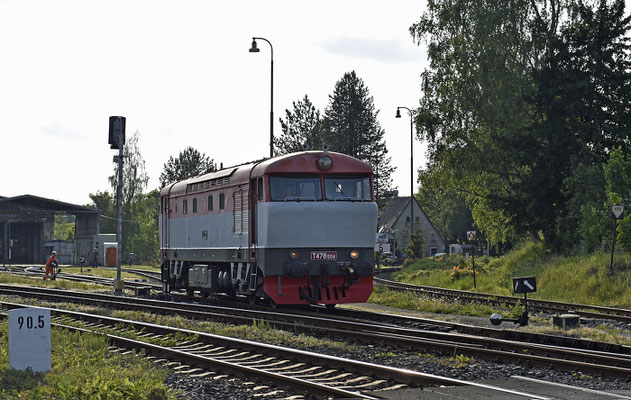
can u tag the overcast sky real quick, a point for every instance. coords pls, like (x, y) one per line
(181, 73)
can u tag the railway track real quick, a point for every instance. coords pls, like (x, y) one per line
(303, 371)
(583, 310)
(435, 336)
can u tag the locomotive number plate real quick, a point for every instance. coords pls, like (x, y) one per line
(324, 255)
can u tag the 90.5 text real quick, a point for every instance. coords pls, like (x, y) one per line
(30, 322)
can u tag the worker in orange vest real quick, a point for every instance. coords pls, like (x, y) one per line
(50, 266)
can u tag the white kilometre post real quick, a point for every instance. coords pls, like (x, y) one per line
(29, 339)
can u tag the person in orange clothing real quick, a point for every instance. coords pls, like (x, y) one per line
(50, 266)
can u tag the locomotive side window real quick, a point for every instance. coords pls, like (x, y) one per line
(295, 188)
(184, 207)
(347, 188)
(222, 201)
(210, 202)
(194, 206)
(259, 188)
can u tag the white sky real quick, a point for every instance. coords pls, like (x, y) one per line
(181, 73)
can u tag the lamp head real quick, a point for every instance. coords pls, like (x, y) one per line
(254, 48)
(398, 113)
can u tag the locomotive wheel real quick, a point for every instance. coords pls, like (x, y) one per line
(190, 292)
(253, 299)
(205, 294)
(330, 306)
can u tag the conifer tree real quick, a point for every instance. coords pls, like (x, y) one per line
(350, 126)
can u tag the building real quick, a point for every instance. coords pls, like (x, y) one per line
(27, 225)
(395, 221)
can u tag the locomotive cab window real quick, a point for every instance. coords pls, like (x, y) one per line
(222, 201)
(347, 188)
(295, 188)
(194, 206)
(210, 202)
(184, 207)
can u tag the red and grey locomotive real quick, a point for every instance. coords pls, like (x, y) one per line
(294, 229)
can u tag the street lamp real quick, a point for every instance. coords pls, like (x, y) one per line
(255, 49)
(411, 167)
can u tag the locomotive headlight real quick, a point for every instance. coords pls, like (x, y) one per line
(325, 163)
(354, 254)
(294, 255)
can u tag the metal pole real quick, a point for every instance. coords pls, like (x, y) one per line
(613, 244)
(473, 261)
(271, 111)
(119, 217)
(411, 174)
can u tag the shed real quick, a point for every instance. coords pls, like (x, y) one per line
(27, 227)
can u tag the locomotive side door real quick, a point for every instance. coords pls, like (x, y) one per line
(254, 195)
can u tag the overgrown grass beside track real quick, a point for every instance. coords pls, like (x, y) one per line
(577, 279)
(82, 368)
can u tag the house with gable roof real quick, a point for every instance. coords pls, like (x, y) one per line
(395, 221)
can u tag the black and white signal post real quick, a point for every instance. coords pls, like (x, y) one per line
(117, 141)
(472, 237)
(617, 212)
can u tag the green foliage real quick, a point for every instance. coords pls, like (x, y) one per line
(64, 227)
(414, 248)
(300, 127)
(583, 279)
(190, 162)
(350, 126)
(444, 206)
(106, 203)
(518, 96)
(82, 368)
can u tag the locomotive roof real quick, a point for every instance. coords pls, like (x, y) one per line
(300, 162)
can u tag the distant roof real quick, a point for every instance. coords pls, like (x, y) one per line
(392, 210)
(28, 203)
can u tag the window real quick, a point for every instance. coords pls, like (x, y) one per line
(347, 188)
(194, 206)
(210, 202)
(407, 220)
(259, 189)
(222, 201)
(295, 188)
(184, 207)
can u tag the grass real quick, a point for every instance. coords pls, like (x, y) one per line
(577, 279)
(82, 368)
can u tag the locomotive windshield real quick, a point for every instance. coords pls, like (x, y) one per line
(295, 188)
(347, 188)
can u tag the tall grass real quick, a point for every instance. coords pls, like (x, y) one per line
(82, 368)
(579, 279)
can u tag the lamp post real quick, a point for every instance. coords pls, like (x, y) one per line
(411, 166)
(255, 49)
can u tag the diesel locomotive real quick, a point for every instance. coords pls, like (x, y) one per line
(294, 229)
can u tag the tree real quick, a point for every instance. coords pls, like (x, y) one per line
(445, 207)
(300, 127)
(106, 203)
(518, 94)
(190, 162)
(350, 126)
(135, 181)
(415, 246)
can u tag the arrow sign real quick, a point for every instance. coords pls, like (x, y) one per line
(617, 211)
(525, 285)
